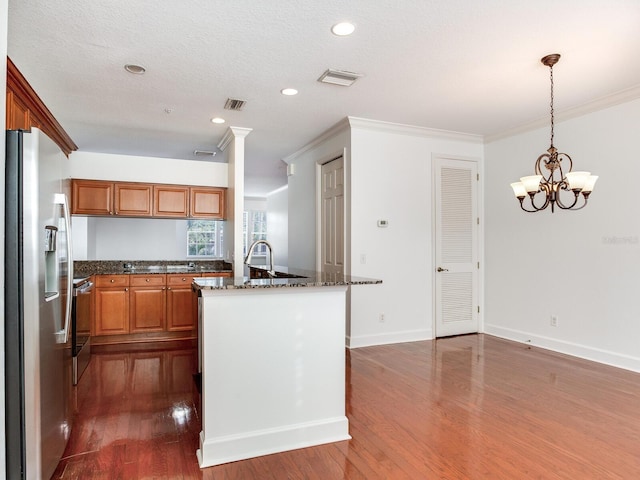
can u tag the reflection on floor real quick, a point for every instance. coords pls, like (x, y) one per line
(137, 417)
(466, 407)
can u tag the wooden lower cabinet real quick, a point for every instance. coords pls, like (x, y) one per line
(136, 308)
(182, 303)
(111, 311)
(147, 303)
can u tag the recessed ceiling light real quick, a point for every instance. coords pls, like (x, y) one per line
(343, 29)
(135, 69)
(217, 120)
(289, 91)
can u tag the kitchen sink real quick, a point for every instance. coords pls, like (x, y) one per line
(255, 273)
(171, 268)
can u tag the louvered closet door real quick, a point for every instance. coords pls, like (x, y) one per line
(456, 249)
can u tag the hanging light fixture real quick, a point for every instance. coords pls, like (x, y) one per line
(553, 180)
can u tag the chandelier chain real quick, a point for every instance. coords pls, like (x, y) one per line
(552, 112)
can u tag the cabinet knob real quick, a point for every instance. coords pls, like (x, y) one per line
(184, 279)
(126, 289)
(168, 288)
(112, 280)
(147, 280)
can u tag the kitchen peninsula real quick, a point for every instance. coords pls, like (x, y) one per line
(272, 356)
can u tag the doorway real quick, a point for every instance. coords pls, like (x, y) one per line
(456, 257)
(332, 216)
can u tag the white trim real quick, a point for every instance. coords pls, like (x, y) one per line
(412, 130)
(389, 338)
(617, 98)
(230, 134)
(231, 448)
(337, 129)
(586, 352)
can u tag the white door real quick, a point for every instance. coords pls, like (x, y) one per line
(332, 187)
(456, 246)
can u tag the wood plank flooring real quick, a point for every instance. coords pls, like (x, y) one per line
(469, 407)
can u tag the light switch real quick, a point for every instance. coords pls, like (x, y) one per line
(383, 223)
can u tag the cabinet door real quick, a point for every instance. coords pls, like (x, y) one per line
(133, 199)
(207, 202)
(111, 311)
(182, 303)
(92, 197)
(147, 309)
(170, 201)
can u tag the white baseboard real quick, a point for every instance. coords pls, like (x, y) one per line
(581, 351)
(388, 338)
(230, 448)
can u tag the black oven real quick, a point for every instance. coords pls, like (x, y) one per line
(81, 326)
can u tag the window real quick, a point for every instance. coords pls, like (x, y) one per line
(204, 238)
(254, 227)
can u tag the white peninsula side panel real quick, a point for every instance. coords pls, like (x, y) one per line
(273, 371)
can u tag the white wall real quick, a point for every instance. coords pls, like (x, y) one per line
(583, 266)
(100, 238)
(302, 192)
(277, 206)
(130, 168)
(388, 176)
(136, 239)
(391, 179)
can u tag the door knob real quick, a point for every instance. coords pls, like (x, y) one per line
(440, 269)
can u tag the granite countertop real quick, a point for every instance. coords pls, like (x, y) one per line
(117, 267)
(288, 277)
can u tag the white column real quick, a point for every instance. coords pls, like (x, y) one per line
(234, 139)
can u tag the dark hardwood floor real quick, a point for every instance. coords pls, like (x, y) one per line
(466, 407)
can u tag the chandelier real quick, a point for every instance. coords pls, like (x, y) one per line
(550, 179)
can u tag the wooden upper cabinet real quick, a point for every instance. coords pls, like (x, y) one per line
(92, 197)
(25, 109)
(207, 202)
(170, 201)
(133, 199)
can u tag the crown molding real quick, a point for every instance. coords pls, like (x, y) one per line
(231, 133)
(338, 128)
(601, 103)
(412, 130)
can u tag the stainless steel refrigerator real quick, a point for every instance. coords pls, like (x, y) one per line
(38, 286)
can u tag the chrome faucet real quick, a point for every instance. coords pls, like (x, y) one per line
(247, 259)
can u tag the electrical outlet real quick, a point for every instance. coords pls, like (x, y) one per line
(554, 321)
(382, 318)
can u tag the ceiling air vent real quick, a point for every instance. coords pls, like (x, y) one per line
(234, 104)
(339, 77)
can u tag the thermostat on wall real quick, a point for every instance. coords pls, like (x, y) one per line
(383, 223)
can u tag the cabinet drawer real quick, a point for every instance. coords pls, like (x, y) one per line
(176, 279)
(112, 281)
(147, 280)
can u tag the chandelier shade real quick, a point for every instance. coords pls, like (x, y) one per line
(554, 183)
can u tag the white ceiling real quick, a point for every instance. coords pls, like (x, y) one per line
(461, 65)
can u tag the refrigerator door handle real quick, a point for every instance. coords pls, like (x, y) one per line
(62, 336)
